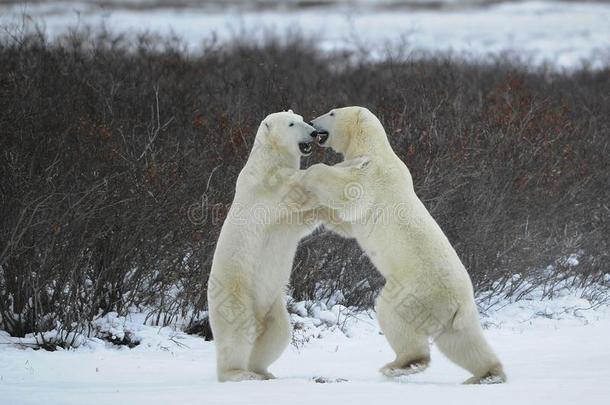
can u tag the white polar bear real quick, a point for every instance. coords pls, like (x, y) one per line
(428, 292)
(256, 247)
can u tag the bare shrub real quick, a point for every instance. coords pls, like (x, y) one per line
(117, 167)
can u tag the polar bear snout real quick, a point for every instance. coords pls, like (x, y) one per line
(321, 127)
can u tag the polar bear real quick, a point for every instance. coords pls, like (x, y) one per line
(428, 293)
(256, 247)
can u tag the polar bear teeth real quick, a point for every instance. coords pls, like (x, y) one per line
(305, 148)
(322, 137)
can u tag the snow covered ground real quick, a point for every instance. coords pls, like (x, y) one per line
(562, 34)
(554, 351)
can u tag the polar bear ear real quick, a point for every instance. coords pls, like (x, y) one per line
(290, 111)
(361, 116)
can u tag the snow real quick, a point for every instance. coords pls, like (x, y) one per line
(554, 351)
(562, 34)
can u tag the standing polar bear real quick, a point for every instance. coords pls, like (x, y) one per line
(256, 247)
(428, 292)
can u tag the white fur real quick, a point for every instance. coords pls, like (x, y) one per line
(428, 292)
(255, 251)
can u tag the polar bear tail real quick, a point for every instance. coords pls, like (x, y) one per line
(466, 346)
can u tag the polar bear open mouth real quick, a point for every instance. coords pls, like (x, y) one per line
(305, 148)
(322, 137)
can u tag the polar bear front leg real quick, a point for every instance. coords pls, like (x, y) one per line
(331, 219)
(273, 340)
(331, 184)
(320, 184)
(408, 342)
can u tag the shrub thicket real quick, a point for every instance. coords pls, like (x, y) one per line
(117, 166)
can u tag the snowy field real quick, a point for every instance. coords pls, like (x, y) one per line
(561, 34)
(554, 352)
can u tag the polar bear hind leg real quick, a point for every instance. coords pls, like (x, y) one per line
(468, 349)
(232, 362)
(273, 341)
(408, 342)
(234, 341)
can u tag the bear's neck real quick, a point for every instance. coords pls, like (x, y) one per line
(270, 157)
(367, 141)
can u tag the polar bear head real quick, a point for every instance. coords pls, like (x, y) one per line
(349, 128)
(287, 132)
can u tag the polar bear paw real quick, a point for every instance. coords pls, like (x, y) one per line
(361, 162)
(487, 379)
(267, 375)
(355, 163)
(245, 375)
(393, 370)
(495, 375)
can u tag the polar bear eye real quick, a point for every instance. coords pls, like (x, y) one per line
(332, 114)
(291, 124)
